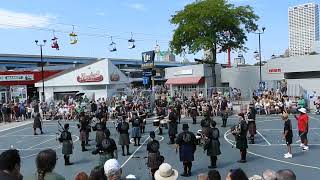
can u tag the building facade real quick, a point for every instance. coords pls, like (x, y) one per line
(303, 28)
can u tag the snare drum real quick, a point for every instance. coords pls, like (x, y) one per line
(156, 122)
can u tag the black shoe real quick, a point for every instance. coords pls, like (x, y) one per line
(135, 145)
(189, 174)
(42, 132)
(185, 174)
(123, 154)
(139, 144)
(69, 164)
(212, 167)
(35, 134)
(242, 161)
(83, 150)
(128, 154)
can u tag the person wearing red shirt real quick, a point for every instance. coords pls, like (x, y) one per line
(303, 126)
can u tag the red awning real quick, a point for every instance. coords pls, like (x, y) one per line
(185, 80)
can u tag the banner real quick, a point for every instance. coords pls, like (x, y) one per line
(18, 77)
(148, 60)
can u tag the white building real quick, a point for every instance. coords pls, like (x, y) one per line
(303, 28)
(100, 79)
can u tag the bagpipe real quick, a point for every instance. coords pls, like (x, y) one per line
(235, 130)
(60, 129)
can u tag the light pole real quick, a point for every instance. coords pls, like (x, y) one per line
(259, 32)
(42, 73)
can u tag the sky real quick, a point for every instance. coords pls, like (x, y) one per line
(23, 22)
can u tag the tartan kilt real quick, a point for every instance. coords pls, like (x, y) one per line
(124, 139)
(99, 137)
(83, 135)
(252, 128)
(67, 148)
(37, 124)
(135, 132)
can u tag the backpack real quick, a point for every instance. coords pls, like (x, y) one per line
(154, 147)
(63, 136)
(136, 121)
(186, 137)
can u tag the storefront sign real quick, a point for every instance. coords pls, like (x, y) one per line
(18, 77)
(92, 77)
(114, 77)
(274, 70)
(184, 72)
(148, 59)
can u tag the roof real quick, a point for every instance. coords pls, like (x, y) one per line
(185, 80)
(45, 56)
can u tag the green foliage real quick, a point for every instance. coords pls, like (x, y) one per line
(202, 25)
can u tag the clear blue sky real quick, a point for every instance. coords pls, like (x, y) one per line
(149, 19)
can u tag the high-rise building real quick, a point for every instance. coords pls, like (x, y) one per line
(303, 28)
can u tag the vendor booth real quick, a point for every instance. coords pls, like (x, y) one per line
(100, 79)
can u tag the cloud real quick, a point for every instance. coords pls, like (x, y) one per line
(138, 6)
(14, 20)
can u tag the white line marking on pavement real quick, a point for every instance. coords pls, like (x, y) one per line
(137, 149)
(50, 139)
(16, 126)
(269, 158)
(264, 138)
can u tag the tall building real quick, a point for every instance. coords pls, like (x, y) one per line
(303, 28)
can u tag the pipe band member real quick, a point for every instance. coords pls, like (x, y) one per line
(67, 144)
(107, 149)
(100, 127)
(135, 131)
(123, 129)
(186, 144)
(83, 130)
(194, 113)
(154, 157)
(240, 133)
(173, 125)
(252, 128)
(37, 123)
(212, 145)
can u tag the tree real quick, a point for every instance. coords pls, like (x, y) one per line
(212, 25)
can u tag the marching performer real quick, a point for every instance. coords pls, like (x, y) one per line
(240, 133)
(252, 129)
(205, 124)
(123, 129)
(213, 145)
(194, 113)
(67, 144)
(186, 144)
(107, 149)
(154, 157)
(99, 128)
(37, 123)
(173, 125)
(83, 131)
(143, 116)
(135, 133)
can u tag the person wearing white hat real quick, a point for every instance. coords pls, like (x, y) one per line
(303, 126)
(166, 172)
(112, 169)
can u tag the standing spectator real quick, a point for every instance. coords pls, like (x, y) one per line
(166, 172)
(112, 169)
(5, 113)
(285, 174)
(10, 163)
(213, 145)
(303, 126)
(46, 161)
(287, 134)
(236, 174)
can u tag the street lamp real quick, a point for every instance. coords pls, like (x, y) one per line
(42, 73)
(259, 32)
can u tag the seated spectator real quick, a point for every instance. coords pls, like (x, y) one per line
(236, 174)
(214, 175)
(112, 169)
(46, 161)
(269, 175)
(255, 177)
(10, 162)
(166, 172)
(202, 176)
(82, 176)
(97, 174)
(285, 174)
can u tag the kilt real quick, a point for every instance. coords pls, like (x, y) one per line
(124, 139)
(83, 135)
(206, 131)
(135, 132)
(252, 129)
(186, 153)
(154, 160)
(37, 123)
(99, 137)
(67, 148)
(104, 157)
(241, 143)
